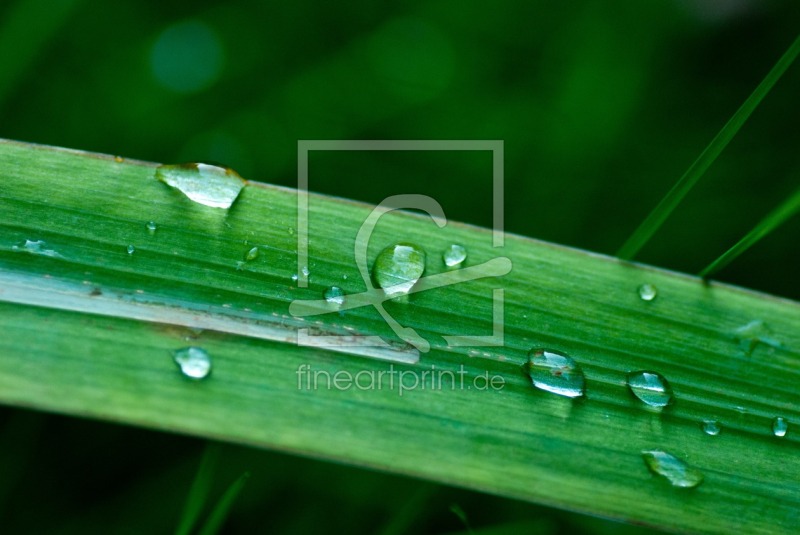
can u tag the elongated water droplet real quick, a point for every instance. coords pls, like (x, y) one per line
(779, 427)
(711, 427)
(651, 388)
(151, 227)
(252, 254)
(334, 295)
(37, 247)
(454, 255)
(555, 372)
(754, 333)
(647, 292)
(194, 362)
(131, 249)
(209, 185)
(398, 267)
(676, 471)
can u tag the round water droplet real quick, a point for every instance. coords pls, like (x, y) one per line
(676, 471)
(711, 427)
(334, 295)
(651, 388)
(151, 227)
(294, 277)
(780, 426)
(454, 255)
(398, 267)
(194, 362)
(647, 292)
(306, 271)
(252, 254)
(555, 372)
(131, 249)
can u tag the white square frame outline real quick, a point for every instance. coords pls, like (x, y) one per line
(496, 147)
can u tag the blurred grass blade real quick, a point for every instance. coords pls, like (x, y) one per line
(220, 512)
(661, 212)
(80, 271)
(198, 494)
(27, 26)
(773, 220)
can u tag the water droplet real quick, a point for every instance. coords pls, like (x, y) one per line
(37, 247)
(555, 372)
(651, 388)
(131, 249)
(676, 471)
(754, 333)
(252, 254)
(306, 271)
(291, 231)
(294, 277)
(194, 362)
(454, 255)
(344, 277)
(780, 426)
(398, 267)
(209, 185)
(334, 295)
(151, 227)
(711, 427)
(647, 292)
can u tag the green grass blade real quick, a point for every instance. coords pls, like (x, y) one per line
(198, 493)
(220, 512)
(773, 220)
(89, 330)
(661, 212)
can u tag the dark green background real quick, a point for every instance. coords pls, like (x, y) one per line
(602, 106)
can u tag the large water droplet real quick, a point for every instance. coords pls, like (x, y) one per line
(555, 372)
(209, 185)
(779, 427)
(252, 254)
(37, 247)
(651, 388)
(398, 267)
(454, 255)
(676, 471)
(754, 333)
(194, 362)
(647, 292)
(334, 295)
(711, 427)
(151, 227)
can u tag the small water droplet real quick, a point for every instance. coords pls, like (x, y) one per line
(754, 333)
(194, 362)
(252, 254)
(334, 295)
(291, 231)
(454, 255)
(37, 247)
(151, 227)
(780, 426)
(555, 372)
(306, 271)
(647, 292)
(209, 185)
(398, 267)
(344, 277)
(676, 471)
(131, 249)
(651, 388)
(294, 277)
(711, 427)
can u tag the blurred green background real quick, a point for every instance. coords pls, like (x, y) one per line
(602, 106)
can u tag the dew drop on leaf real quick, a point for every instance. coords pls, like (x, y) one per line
(194, 362)
(711, 427)
(651, 388)
(779, 427)
(209, 185)
(398, 267)
(454, 255)
(647, 292)
(673, 469)
(334, 295)
(555, 372)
